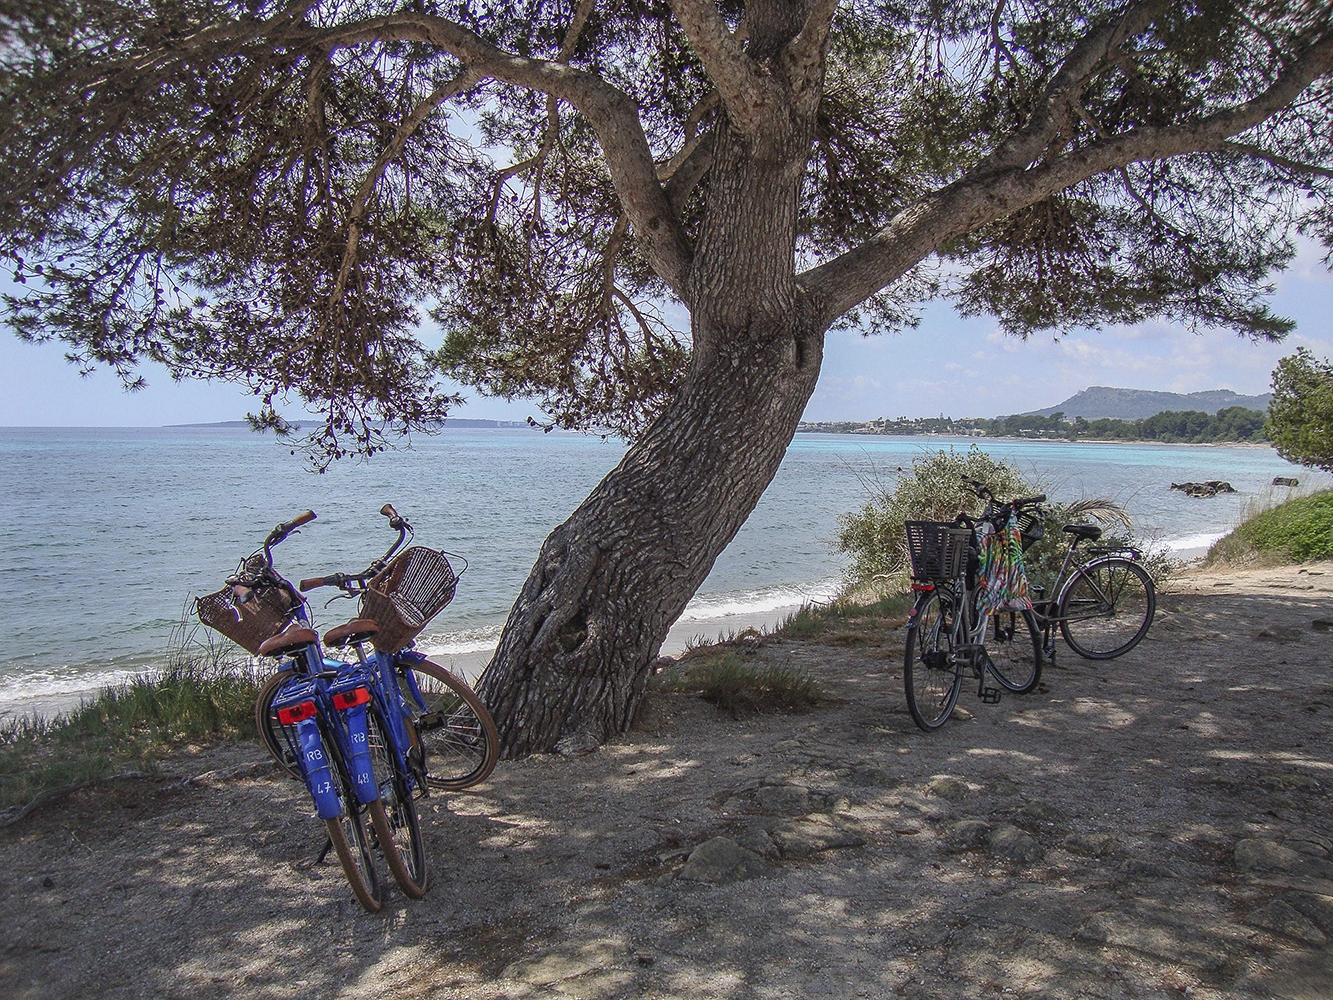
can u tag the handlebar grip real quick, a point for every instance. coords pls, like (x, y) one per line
(1028, 501)
(301, 519)
(317, 581)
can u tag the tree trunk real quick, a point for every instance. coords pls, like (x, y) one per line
(574, 658)
(575, 655)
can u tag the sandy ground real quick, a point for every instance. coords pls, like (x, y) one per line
(1158, 826)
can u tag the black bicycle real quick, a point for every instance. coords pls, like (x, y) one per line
(947, 635)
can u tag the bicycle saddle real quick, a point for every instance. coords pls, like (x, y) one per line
(294, 637)
(1089, 531)
(357, 630)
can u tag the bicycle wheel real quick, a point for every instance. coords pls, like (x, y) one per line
(271, 730)
(348, 834)
(394, 814)
(931, 678)
(1106, 608)
(1013, 649)
(455, 732)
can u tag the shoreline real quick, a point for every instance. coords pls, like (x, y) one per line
(1001, 437)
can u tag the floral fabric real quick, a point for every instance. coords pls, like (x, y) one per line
(1002, 583)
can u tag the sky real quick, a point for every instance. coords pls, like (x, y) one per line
(949, 365)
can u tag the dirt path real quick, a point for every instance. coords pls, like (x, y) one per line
(1156, 827)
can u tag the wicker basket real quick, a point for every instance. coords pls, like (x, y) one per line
(937, 550)
(411, 590)
(248, 624)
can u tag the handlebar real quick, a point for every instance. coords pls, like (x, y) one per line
(352, 582)
(287, 527)
(332, 580)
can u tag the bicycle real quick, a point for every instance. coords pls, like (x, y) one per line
(319, 705)
(450, 738)
(946, 635)
(1104, 607)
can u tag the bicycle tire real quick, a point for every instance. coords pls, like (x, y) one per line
(1106, 608)
(455, 732)
(353, 854)
(271, 730)
(394, 815)
(931, 678)
(1017, 668)
(357, 864)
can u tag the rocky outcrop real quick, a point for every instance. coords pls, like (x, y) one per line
(1209, 489)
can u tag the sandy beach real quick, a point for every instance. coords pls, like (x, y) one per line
(1155, 826)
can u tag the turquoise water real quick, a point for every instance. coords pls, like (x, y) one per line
(106, 534)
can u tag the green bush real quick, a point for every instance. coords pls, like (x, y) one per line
(932, 491)
(1299, 530)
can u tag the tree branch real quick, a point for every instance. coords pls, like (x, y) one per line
(1060, 100)
(983, 195)
(804, 55)
(612, 113)
(1277, 159)
(744, 87)
(356, 216)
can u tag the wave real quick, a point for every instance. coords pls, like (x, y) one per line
(764, 600)
(1200, 541)
(64, 686)
(703, 608)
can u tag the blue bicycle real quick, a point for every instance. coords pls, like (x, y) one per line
(321, 706)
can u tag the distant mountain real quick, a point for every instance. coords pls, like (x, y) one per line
(1100, 401)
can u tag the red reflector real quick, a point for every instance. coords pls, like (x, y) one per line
(296, 713)
(350, 699)
(923, 586)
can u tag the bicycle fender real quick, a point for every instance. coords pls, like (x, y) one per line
(318, 773)
(363, 775)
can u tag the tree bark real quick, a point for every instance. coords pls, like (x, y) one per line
(575, 655)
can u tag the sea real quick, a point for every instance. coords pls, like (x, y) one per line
(108, 534)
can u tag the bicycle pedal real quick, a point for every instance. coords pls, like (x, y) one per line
(990, 696)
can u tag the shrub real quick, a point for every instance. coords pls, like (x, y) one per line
(933, 491)
(742, 689)
(204, 692)
(1299, 530)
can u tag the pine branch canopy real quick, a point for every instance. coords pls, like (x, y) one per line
(276, 193)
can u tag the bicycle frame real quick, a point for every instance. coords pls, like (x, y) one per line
(342, 691)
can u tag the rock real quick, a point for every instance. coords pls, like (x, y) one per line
(969, 834)
(1038, 813)
(1318, 909)
(1322, 625)
(1285, 481)
(1279, 633)
(949, 788)
(1255, 855)
(807, 835)
(1154, 870)
(1202, 490)
(555, 966)
(1283, 918)
(756, 839)
(1094, 844)
(722, 860)
(1008, 841)
(783, 800)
